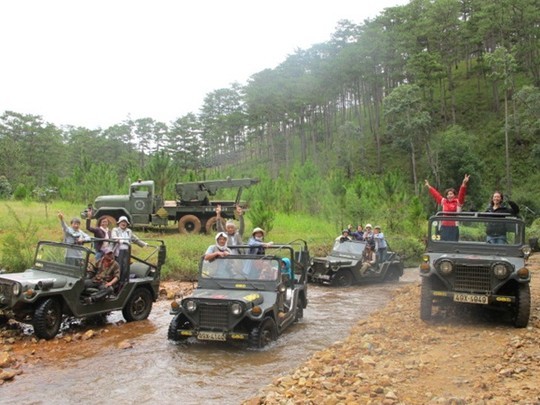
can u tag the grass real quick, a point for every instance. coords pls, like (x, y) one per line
(183, 251)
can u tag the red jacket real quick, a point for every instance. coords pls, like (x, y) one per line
(449, 205)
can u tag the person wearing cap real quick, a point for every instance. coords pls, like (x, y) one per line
(257, 243)
(105, 277)
(344, 237)
(380, 244)
(369, 259)
(234, 234)
(125, 238)
(100, 232)
(368, 232)
(74, 236)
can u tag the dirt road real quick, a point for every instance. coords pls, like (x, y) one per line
(395, 358)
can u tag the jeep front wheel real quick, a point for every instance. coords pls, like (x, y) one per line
(522, 308)
(343, 278)
(138, 306)
(178, 322)
(47, 319)
(426, 299)
(261, 335)
(189, 224)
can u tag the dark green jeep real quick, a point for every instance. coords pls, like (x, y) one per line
(54, 287)
(473, 270)
(244, 298)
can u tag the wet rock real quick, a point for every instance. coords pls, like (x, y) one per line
(125, 344)
(5, 359)
(6, 375)
(89, 334)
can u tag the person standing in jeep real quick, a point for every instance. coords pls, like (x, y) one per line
(125, 237)
(496, 233)
(449, 230)
(234, 234)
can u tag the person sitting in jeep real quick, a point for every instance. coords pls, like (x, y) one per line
(369, 259)
(105, 277)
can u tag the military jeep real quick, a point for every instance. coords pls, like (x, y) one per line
(341, 268)
(244, 298)
(54, 287)
(473, 270)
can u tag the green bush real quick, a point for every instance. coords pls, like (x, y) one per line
(21, 192)
(5, 187)
(18, 247)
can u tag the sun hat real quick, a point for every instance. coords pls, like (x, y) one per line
(256, 230)
(377, 227)
(123, 218)
(368, 226)
(221, 235)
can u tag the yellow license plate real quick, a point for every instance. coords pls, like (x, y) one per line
(212, 336)
(471, 298)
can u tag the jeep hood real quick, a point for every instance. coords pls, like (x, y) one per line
(32, 277)
(245, 296)
(333, 260)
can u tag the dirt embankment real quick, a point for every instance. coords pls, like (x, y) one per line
(462, 357)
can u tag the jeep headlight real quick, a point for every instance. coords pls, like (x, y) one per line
(500, 270)
(446, 267)
(190, 305)
(16, 289)
(327, 265)
(526, 250)
(236, 309)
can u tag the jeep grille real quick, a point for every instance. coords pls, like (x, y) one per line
(6, 290)
(473, 278)
(213, 315)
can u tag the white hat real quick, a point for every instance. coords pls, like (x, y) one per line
(221, 235)
(123, 218)
(368, 226)
(257, 230)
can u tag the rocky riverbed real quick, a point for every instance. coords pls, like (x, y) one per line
(462, 357)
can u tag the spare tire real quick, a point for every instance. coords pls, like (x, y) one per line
(211, 225)
(189, 224)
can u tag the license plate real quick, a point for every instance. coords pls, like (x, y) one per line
(471, 298)
(212, 336)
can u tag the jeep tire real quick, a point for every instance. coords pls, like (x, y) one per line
(47, 319)
(138, 306)
(211, 225)
(343, 278)
(179, 321)
(522, 308)
(263, 334)
(426, 299)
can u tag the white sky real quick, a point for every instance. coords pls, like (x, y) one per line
(94, 63)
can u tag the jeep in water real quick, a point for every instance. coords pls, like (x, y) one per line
(471, 271)
(341, 268)
(54, 287)
(244, 298)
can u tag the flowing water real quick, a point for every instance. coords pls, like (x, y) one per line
(156, 370)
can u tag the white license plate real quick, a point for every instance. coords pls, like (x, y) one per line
(471, 298)
(212, 336)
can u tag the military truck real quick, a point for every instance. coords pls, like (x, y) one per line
(244, 298)
(192, 210)
(54, 287)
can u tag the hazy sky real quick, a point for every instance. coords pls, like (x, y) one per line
(93, 63)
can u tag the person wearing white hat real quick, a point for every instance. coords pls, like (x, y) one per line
(256, 242)
(368, 233)
(220, 249)
(234, 233)
(125, 238)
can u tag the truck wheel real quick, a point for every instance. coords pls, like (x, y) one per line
(343, 278)
(392, 275)
(261, 335)
(47, 319)
(426, 299)
(178, 322)
(189, 224)
(211, 225)
(138, 306)
(522, 308)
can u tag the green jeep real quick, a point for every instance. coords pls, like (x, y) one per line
(473, 270)
(244, 298)
(54, 287)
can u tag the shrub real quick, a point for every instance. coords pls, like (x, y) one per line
(5, 187)
(18, 247)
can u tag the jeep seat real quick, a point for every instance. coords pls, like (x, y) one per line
(139, 270)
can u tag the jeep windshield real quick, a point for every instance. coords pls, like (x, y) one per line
(246, 268)
(348, 248)
(60, 258)
(476, 229)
